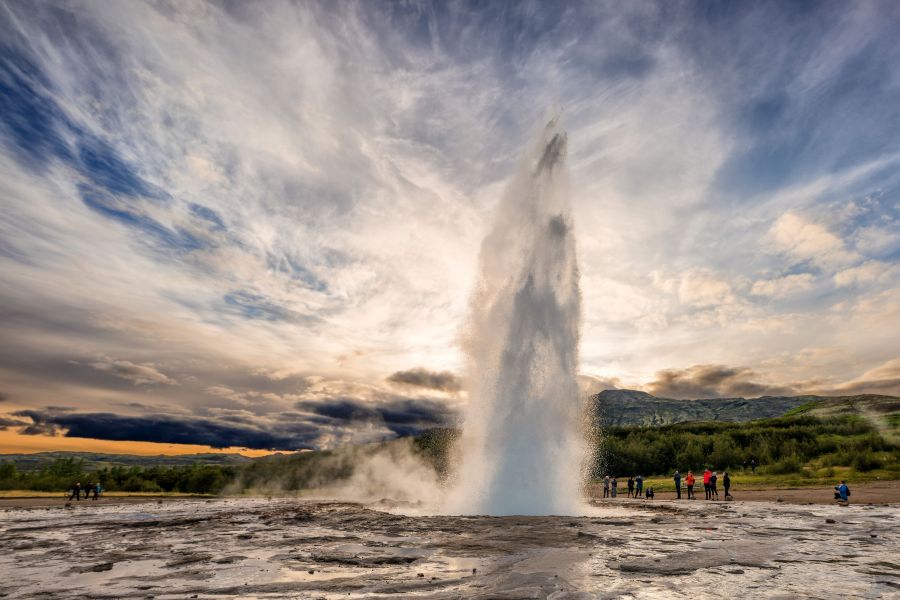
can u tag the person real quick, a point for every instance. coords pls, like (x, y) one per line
(639, 486)
(677, 478)
(842, 492)
(753, 465)
(76, 491)
(706, 475)
(713, 488)
(630, 486)
(613, 486)
(689, 480)
(606, 487)
(650, 494)
(726, 483)
(97, 489)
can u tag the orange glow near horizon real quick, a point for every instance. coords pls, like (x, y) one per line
(15, 443)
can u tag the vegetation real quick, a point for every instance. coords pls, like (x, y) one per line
(802, 445)
(789, 450)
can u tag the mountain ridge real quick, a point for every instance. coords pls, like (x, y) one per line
(623, 407)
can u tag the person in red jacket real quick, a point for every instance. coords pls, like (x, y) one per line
(690, 485)
(707, 475)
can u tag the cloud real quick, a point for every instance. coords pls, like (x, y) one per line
(443, 381)
(136, 373)
(402, 416)
(712, 381)
(173, 430)
(782, 287)
(883, 379)
(703, 287)
(225, 191)
(314, 425)
(868, 272)
(6, 423)
(804, 240)
(325, 414)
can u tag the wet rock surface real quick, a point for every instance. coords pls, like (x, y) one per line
(284, 548)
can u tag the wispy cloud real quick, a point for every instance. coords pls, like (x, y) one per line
(243, 198)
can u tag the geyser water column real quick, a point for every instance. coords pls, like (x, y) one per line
(522, 448)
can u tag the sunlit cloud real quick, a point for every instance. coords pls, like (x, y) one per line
(214, 214)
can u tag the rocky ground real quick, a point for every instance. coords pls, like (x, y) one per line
(283, 548)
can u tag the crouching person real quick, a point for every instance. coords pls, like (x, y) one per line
(842, 492)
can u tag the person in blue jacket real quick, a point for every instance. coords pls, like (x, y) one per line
(842, 492)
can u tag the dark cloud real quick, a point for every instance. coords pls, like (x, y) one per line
(402, 416)
(712, 381)
(173, 430)
(444, 381)
(6, 423)
(317, 424)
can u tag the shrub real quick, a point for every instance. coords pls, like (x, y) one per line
(867, 461)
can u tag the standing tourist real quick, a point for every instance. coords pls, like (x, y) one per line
(713, 490)
(614, 486)
(706, 475)
(630, 487)
(639, 486)
(76, 491)
(606, 487)
(689, 480)
(726, 483)
(677, 478)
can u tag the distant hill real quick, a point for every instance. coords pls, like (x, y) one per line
(632, 407)
(96, 460)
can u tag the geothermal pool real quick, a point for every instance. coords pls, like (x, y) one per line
(287, 548)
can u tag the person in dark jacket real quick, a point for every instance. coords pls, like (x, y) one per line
(614, 487)
(677, 478)
(726, 483)
(630, 487)
(649, 495)
(76, 491)
(713, 490)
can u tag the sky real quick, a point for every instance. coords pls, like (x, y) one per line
(256, 224)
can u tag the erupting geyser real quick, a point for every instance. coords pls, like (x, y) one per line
(522, 448)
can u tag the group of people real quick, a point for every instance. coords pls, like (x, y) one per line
(635, 488)
(710, 485)
(91, 488)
